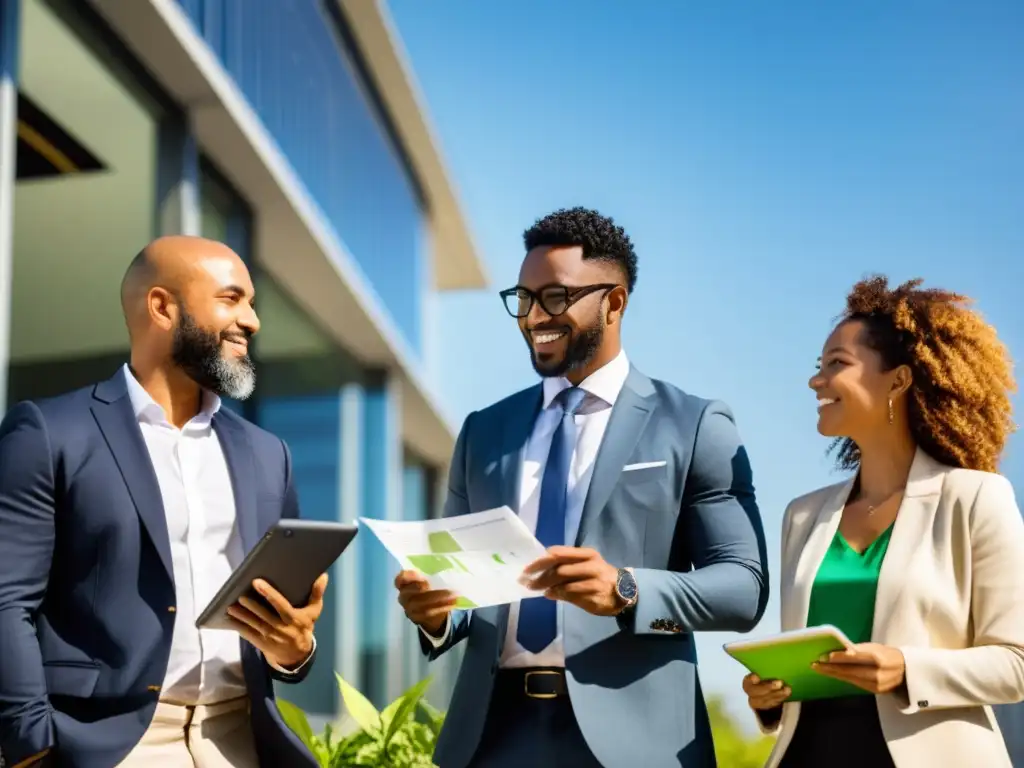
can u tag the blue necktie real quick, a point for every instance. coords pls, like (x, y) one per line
(538, 616)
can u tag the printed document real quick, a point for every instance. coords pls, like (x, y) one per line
(480, 557)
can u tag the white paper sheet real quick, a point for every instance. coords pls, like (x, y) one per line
(480, 556)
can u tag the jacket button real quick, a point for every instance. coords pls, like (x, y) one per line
(153, 688)
(171, 609)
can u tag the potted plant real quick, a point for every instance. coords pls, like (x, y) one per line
(392, 738)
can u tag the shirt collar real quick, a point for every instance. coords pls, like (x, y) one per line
(145, 407)
(605, 383)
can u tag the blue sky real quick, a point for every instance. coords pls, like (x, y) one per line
(763, 157)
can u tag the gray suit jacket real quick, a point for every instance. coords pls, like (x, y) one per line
(690, 528)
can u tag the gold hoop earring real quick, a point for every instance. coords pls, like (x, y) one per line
(890, 411)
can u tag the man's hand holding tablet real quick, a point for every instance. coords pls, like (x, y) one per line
(284, 633)
(274, 598)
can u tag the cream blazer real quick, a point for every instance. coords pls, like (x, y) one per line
(949, 597)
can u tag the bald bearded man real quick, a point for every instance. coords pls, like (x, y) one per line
(123, 508)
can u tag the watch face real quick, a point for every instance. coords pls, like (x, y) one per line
(627, 585)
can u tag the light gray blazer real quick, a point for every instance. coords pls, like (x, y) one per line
(691, 529)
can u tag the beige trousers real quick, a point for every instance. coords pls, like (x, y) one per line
(214, 736)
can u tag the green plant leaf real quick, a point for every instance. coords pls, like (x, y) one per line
(328, 736)
(387, 715)
(402, 709)
(363, 712)
(350, 750)
(394, 738)
(435, 717)
(296, 720)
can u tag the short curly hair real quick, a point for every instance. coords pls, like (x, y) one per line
(959, 402)
(599, 236)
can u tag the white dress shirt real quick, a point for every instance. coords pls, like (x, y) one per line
(205, 666)
(602, 387)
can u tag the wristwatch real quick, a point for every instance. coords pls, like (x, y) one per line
(626, 589)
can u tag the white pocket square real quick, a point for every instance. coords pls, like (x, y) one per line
(644, 465)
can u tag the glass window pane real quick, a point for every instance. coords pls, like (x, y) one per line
(84, 201)
(296, 65)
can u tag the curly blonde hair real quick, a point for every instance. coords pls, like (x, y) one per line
(959, 402)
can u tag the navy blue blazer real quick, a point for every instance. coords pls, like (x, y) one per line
(86, 589)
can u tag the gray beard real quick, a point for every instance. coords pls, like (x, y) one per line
(200, 354)
(236, 378)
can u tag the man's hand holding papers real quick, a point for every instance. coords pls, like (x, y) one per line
(428, 608)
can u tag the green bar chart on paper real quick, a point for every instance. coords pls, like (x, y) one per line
(442, 542)
(442, 558)
(480, 557)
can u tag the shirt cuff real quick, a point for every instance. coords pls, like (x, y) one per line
(437, 642)
(297, 669)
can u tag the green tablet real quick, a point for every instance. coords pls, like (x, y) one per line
(788, 657)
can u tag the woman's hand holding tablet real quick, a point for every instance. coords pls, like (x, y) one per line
(787, 658)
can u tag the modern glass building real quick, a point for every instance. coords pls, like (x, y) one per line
(292, 130)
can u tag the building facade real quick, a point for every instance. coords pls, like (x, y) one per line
(293, 131)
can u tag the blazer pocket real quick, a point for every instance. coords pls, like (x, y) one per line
(71, 678)
(644, 474)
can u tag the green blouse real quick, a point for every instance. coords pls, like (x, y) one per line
(843, 593)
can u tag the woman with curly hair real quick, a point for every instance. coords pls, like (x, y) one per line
(919, 557)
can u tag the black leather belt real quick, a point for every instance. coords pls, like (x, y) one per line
(533, 683)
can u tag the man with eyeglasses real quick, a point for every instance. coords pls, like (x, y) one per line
(644, 497)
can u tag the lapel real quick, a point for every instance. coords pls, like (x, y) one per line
(239, 458)
(823, 526)
(115, 416)
(629, 416)
(913, 523)
(516, 428)
(516, 425)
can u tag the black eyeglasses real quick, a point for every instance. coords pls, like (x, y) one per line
(553, 299)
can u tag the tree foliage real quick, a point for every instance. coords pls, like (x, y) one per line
(734, 746)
